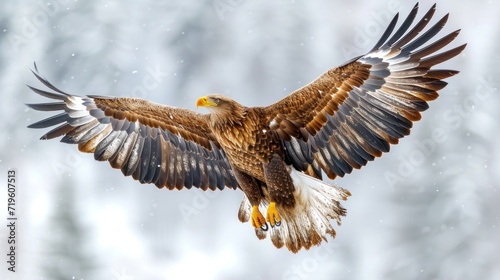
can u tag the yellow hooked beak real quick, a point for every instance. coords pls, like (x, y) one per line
(204, 101)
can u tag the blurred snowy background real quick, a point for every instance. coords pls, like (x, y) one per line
(428, 210)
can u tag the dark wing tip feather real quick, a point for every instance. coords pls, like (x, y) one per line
(429, 34)
(50, 121)
(387, 32)
(45, 81)
(442, 57)
(47, 94)
(53, 106)
(421, 24)
(403, 28)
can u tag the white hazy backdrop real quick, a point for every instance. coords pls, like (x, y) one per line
(427, 210)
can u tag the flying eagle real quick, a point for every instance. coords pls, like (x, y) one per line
(276, 154)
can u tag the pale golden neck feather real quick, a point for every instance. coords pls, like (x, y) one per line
(231, 114)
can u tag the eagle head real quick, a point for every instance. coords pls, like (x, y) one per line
(223, 108)
(214, 101)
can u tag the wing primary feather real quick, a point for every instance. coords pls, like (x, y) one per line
(429, 34)
(444, 56)
(58, 131)
(47, 84)
(435, 46)
(386, 34)
(416, 29)
(51, 121)
(402, 29)
(53, 106)
(440, 74)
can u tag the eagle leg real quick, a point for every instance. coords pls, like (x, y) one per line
(280, 187)
(272, 215)
(252, 190)
(258, 220)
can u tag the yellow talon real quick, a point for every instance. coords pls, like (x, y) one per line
(272, 215)
(257, 218)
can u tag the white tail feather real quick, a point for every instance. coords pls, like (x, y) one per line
(308, 222)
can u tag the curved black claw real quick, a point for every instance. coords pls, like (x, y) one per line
(276, 224)
(264, 227)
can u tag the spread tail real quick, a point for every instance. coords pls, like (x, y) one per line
(308, 222)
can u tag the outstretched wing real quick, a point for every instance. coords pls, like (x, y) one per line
(157, 144)
(350, 114)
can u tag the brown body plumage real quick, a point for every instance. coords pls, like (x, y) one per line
(250, 145)
(276, 154)
(247, 141)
